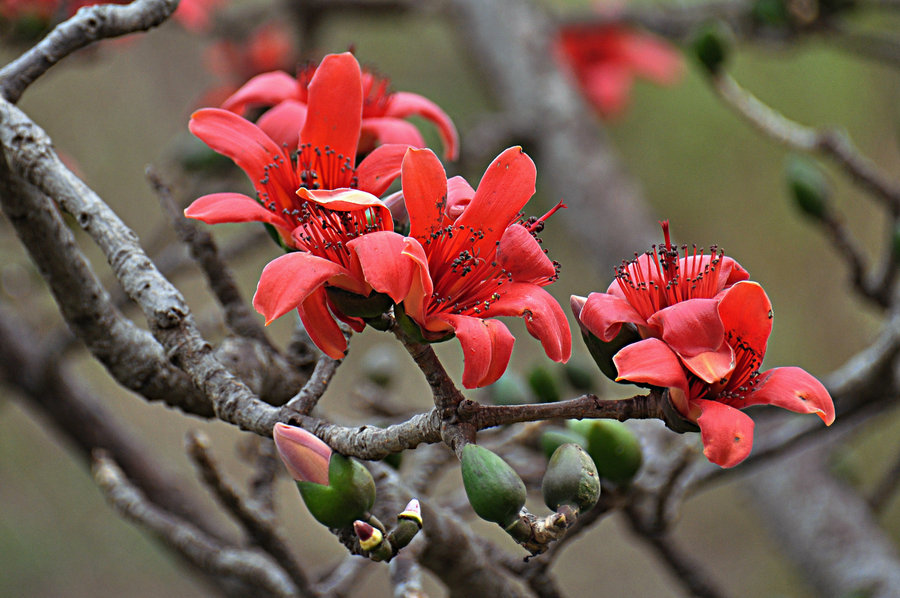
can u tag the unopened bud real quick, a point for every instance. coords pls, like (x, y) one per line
(543, 384)
(579, 377)
(372, 540)
(553, 438)
(409, 522)
(571, 479)
(303, 454)
(495, 490)
(510, 389)
(711, 45)
(808, 186)
(615, 450)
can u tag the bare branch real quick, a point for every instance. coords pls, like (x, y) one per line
(90, 24)
(305, 400)
(249, 566)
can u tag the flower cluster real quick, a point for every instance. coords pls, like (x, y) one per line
(703, 328)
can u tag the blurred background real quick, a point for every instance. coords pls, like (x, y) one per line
(125, 105)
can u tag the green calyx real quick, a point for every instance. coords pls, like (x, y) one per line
(349, 495)
(615, 449)
(359, 306)
(544, 385)
(603, 352)
(495, 490)
(412, 330)
(808, 186)
(571, 479)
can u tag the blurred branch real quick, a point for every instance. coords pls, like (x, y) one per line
(828, 142)
(260, 525)
(886, 488)
(90, 24)
(205, 552)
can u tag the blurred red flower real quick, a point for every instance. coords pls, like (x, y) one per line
(605, 59)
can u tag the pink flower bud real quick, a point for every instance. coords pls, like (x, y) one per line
(305, 456)
(369, 537)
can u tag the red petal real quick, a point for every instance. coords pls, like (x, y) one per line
(652, 58)
(348, 200)
(731, 272)
(544, 318)
(607, 85)
(459, 195)
(283, 122)
(505, 188)
(425, 193)
(335, 106)
(421, 286)
(521, 255)
(694, 330)
(746, 312)
(727, 433)
(791, 388)
(487, 346)
(403, 104)
(392, 130)
(383, 264)
(603, 315)
(287, 281)
(266, 89)
(251, 149)
(650, 361)
(218, 208)
(320, 325)
(380, 168)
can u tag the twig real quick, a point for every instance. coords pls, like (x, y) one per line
(249, 566)
(305, 400)
(684, 569)
(886, 488)
(260, 525)
(265, 473)
(90, 24)
(240, 319)
(829, 142)
(341, 580)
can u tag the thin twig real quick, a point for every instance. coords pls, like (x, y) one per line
(886, 488)
(252, 567)
(829, 142)
(305, 400)
(90, 24)
(259, 524)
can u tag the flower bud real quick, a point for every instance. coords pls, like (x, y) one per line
(303, 454)
(615, 450)
(808, 186)
(571, 479)
(409, 522)
(553, 438)
(579, 377)
(543, 384)
(711, 46)
(495, 490)
(372, 540)
(510, 389)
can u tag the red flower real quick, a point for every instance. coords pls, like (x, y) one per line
(605, 59)
(705, 329)
(468, 259)
(325, 156)
(382, 117)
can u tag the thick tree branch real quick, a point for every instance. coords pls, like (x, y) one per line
(90, 24)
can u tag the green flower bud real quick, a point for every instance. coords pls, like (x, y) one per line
(409, 522)
(571, 479)
(349, 495)
(372, 540)
(615, 450)
(579, 377)
(711, 45)
(510, 389)
(495, 490)
(772, 13)
(543, 384)
(808, 186)
(553, 438)
(359, 306)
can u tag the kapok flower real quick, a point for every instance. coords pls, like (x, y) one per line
(468, 258)
(704, 343)
(325, 157)
(382, 117)
(606, 58)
